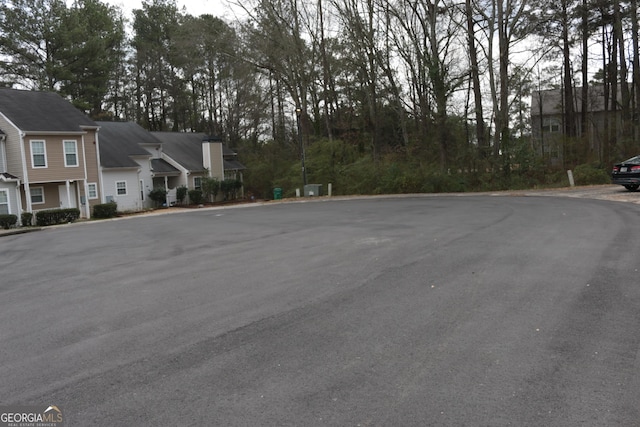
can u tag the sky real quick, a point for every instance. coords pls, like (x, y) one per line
(218, 8)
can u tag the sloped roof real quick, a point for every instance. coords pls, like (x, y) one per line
(233, 165)
(119, 141)
(162, 167)
(185, 148)
(4, 176)
(552, 100)
(33, 111)
(226, 151)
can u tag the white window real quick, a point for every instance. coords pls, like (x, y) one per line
(38, 154)
(92, 188)
(4, 202)
(37, 195)
(121, 188)
(550, 126)
(197, 182)
(70, 153)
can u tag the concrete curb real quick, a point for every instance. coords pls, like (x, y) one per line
(14, 231)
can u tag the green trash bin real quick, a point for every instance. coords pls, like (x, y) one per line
(277, 193)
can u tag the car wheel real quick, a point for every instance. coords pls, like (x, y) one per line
(632, 187)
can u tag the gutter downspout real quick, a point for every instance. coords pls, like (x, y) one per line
(19, 202)
(27, 191)
(86, 187)
(67, 185)
(100, 177)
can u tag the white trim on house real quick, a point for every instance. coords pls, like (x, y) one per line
(87, 205)
(120, 187)
(31, 195)
(6, 202)
(91, 191)
(3, 154)
(25, 175)
(74, 153)
(103, 198)
(33, 154)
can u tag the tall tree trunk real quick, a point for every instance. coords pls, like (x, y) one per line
(483, 143)
(636, 68)
(606, 90)
(326, 76)
(625, 99)
(502, 116)
(613, 82)
(584, 102)
(569, 118)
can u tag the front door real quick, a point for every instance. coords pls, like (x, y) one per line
(67, 198)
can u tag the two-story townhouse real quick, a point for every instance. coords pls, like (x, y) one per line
(50, 151)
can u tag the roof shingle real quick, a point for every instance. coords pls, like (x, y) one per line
(119, 141)
(33, 111)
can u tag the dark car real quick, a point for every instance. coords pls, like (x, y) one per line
(627, 173)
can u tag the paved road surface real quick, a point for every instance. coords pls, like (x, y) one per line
(452, 311)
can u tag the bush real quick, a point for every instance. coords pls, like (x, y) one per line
(8, 221)
(589, 174)
(57, 216)
(158, 195)
(230, 187)
(210, 187)
(26, 219)
(105, 210)
(444, 183)
(195, 197)
(181, 193)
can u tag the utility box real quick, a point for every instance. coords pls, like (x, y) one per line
(277, 193)
(312, 190)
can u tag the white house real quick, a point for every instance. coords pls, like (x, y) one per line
(126, 166)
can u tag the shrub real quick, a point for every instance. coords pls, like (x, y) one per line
(8, 221)
(26, 219)
(210, 187)
(230, 187)
(195, 197)
(444, 183)
(181, 193)
(57, 216)
(589, 174)
(105, 210)
(158, 195)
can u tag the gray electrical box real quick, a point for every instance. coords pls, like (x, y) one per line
(312, 190)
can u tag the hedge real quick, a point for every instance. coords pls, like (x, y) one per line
(26, 219)
(57, 216)
(105, 210)
(195, 197)
(8, 221)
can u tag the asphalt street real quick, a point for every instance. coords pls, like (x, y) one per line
(412, 311)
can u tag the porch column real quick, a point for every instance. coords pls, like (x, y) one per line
(27, 195)
(85, 189)
(68, 185)
(166, 188)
